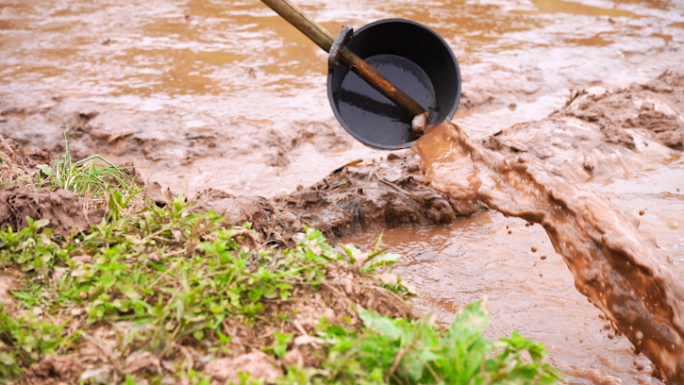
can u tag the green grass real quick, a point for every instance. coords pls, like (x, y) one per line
(397, 351)
(31, 248)
(93, 175)
(26, 340)
(161, 278)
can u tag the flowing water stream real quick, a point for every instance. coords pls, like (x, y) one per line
(621, 261)
(611, 261)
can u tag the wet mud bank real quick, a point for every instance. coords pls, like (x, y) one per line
(192, 91)
(18, 202)
(354, 198)
(601, 134)
(598, 135)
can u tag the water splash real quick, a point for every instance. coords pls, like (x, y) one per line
(613, 265)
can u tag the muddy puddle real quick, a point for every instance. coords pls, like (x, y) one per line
(225, 95)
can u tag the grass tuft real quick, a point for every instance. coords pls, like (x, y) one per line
(92, 176)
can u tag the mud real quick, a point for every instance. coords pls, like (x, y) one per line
(602, 134)
(614, 266)
(393, 191)
(226, 95)
(259, 364)
(6, 284)
(64, 209)
(655, 106)
(53, 370)
(15, 163)
(354, 198)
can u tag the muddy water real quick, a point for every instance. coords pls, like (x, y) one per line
(455, 265)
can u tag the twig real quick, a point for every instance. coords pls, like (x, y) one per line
(184, 351)
(394, 186)
(300, 328)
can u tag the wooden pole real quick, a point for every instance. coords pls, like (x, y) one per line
(314, 31)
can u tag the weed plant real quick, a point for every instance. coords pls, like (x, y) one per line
(87, 177)
(397, 351)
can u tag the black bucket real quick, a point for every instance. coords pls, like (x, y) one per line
(417, 61)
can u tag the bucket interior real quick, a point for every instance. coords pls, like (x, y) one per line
(413, 58)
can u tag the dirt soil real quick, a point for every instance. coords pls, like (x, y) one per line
(202, 94)
(344, 289)
(353, 198)
(53, 370)
(64, 209)
(655, 106)
(602, 134)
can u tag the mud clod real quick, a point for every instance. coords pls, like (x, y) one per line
(350, 200)
(656, 106)
(62, 208)
(259, 364)
(53, 370)
(601, 135)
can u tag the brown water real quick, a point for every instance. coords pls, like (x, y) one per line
(224, 94)
(612, 263)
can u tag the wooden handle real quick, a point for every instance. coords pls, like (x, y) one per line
(295, 16)
(319, 35)
(380, 83)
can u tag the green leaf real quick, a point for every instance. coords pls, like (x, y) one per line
(6, 359)
(384, 259)
(108, 279)
(41, 223)
(129, 292)
(380, 324)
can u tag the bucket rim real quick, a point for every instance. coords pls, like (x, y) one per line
(448, 116)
